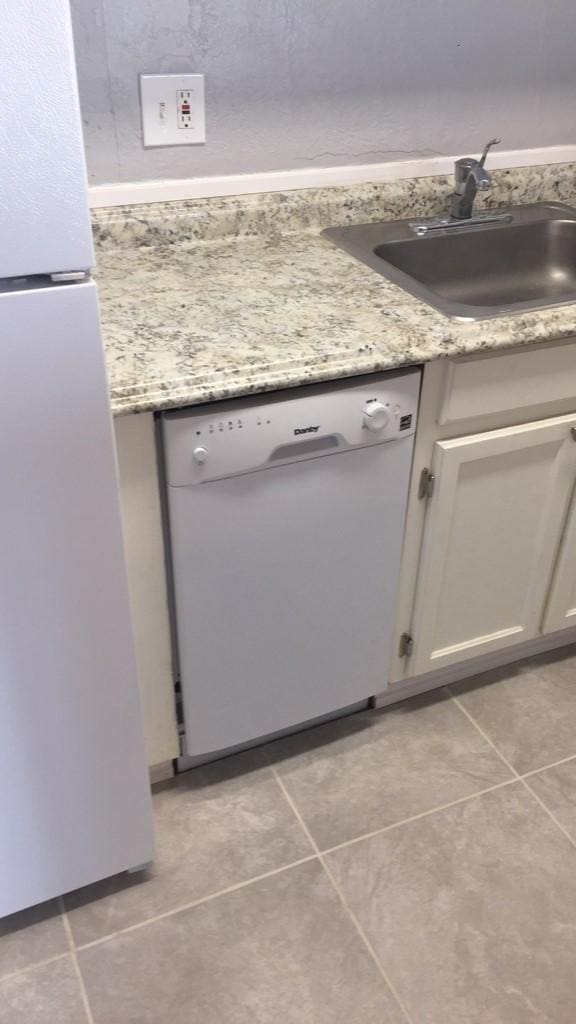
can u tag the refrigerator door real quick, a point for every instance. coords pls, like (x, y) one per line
(74, 790)
(44, 219)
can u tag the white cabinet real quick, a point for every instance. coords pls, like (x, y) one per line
(494, 527)
(145, 558)
(489, 559)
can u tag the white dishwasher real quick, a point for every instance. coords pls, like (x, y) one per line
(286, 517)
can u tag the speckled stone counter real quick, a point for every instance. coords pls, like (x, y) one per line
(220, 298)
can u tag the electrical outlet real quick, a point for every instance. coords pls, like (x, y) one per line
(184, 108)
(172, 110)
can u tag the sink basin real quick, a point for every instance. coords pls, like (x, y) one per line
(476, 271)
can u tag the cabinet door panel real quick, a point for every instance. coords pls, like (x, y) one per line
(494, 526)
(561, 610)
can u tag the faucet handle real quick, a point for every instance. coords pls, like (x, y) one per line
(487, 148)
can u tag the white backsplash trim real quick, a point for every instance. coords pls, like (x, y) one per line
(173, 190)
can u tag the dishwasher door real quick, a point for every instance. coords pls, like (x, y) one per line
(285, 582)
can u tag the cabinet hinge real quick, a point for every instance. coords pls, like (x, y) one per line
(426, 486)
(406, 645)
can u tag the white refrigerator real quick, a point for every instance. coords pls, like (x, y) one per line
(74, 792)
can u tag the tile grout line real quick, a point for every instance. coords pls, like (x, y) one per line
(545, 767)
(33, 966)
(380, 967)
(195, 903)
(519, 778)
(484, 735)
(550, 814)
(518, 775)
(74, 955)
(417, 817)
(360, 931)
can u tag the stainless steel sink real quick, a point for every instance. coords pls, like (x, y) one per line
(476, 270)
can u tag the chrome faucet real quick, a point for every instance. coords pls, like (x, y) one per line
(471, 177)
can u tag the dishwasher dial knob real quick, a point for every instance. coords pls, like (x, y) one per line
(376, 416)
(200, 455)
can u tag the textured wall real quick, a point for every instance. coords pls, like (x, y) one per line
(297, 83)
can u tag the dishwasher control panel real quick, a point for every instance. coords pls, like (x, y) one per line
(228, 438)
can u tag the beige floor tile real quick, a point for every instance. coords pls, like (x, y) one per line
(280, 950)
(43, 995)
(556, 788)
(472, 911)
(362, 773)
(215, 827)
(528, 709)
(31, 936)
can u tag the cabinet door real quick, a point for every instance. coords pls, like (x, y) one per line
(561, 610)
(494, 526)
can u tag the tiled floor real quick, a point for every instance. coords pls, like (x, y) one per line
(410, 866)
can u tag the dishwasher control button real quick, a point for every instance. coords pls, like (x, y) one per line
(200, 455)
(376, 416)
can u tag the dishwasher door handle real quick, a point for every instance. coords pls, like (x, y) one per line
(308, 447)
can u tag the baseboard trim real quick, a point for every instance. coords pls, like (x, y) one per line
(475, 666)
(174, 190)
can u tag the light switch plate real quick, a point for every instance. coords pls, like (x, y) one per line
(172, 110)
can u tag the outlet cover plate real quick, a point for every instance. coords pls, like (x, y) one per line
(159, 99)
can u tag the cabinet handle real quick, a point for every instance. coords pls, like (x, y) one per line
(573, 433)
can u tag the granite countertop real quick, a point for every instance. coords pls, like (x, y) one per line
(224, 298)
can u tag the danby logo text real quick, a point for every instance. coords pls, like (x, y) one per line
(307, 430)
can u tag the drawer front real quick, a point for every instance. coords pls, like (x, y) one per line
(518, 380)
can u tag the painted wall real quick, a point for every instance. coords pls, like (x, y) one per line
(300, 83)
